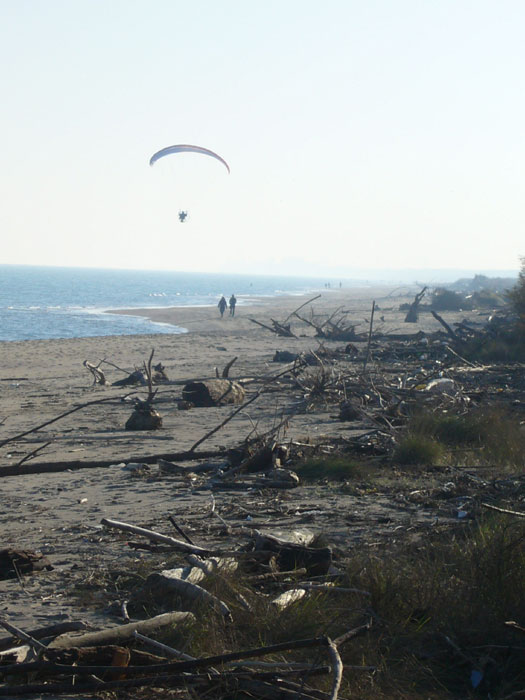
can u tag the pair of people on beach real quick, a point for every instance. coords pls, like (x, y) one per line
(223, 303)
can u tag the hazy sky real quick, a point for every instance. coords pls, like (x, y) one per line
(376, 133)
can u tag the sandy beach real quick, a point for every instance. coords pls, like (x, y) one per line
(59, 513)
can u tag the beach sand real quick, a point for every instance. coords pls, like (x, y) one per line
(59, 513)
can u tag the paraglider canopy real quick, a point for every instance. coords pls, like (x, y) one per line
(185, 148)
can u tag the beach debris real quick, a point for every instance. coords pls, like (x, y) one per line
(278, 328)
(226, 371)
(441, 385)
(155, 537)
(19, 562)
(348, 411)
(144, 417)
(183, 583)
(43, 633)
(413, 311)
(160, 376)
(285, 356)
(213, 392)
(97, 374)
(134, 378)
(291, 555)
(121, 633)
(284, 600)
(106, 668)
(334, 327)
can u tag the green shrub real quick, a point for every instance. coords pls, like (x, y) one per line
(334, 468)
(447, 300)
(461, 588)
(517, 294)
(496, 435)
(418, 450)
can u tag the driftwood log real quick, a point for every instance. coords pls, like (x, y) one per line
(121, 633)
(169, 582)
(213, 392)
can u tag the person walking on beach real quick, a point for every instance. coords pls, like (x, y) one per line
(233, 301)
(222, 305)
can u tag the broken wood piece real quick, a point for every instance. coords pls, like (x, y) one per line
(20, 634)
(278, 479)
(48, 632)
(17, 562)
(163, 649)
(290, 555)
(170, 582)
(445, 325)
(121, 633)
(284, 600)
(413, 312)
(16, 655)
(337, 668)
(155, 536)
(96, 372)
(214, 565)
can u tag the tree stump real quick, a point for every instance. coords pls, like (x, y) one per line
(213, 392)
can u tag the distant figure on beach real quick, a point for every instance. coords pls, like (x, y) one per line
(233, 301)
(222, 305)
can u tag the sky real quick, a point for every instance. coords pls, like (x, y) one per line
(377, 134)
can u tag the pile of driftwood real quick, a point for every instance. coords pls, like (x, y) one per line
(68, 659)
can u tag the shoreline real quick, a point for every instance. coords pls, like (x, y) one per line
(207, 318)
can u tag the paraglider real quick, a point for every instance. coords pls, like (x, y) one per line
(186, 148)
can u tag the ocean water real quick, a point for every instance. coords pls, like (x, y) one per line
(59, 302)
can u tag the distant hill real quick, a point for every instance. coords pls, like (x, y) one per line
(479, 283)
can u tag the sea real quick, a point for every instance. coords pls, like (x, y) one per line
(62, 302)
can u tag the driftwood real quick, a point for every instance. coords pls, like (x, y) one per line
(367, 356)
(213, 392)
(223, 423)
(278, 328)
(290, 555)
(49, 467)
(121, 633)
(62, 415)
(96, 372)
(144, 417)
(413, 312)
(333, 328)
(445, 325)
(155, 537)
(170, 582)
(284, 600)
(226, 371)
(17, 562)
(43, 633)
(136, 377)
